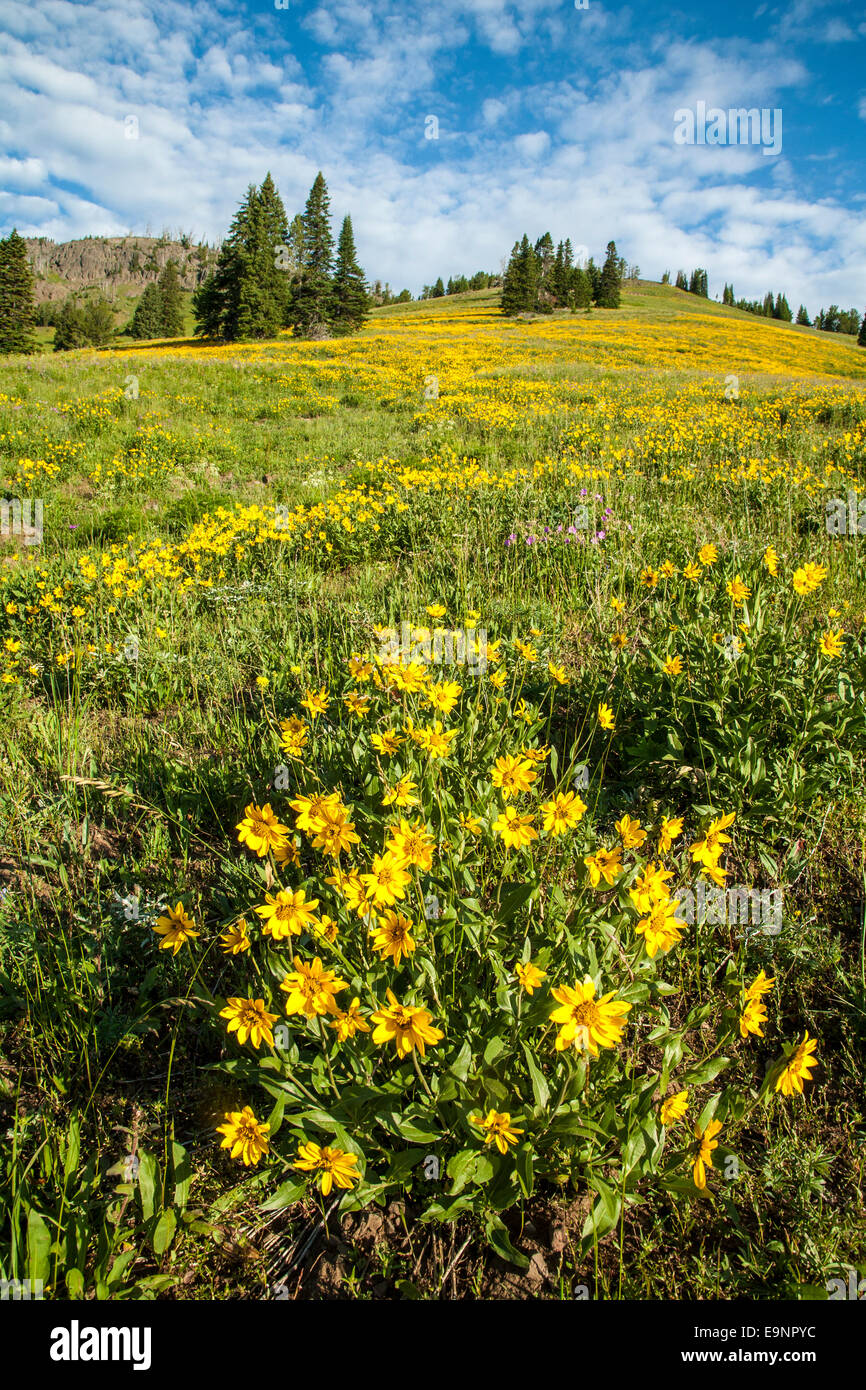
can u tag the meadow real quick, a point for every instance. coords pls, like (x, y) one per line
(397, 732)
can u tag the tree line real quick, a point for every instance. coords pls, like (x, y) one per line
(271, 274)
(538, 279)
(461, 284)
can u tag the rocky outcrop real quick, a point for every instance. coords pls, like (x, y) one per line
(115, 265)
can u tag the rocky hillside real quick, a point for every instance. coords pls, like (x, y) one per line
(114, 265)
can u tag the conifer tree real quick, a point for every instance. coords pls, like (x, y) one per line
(98, 321)
(580, 289)
(350, 299)
(170, 302)
(861, 337)
(803, 316)
(147, 318)
(512, 299)
(17, 308)
(611, 279)
(682, 283)
(70, 331)
(311, 306)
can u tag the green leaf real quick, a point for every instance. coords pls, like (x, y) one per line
(38, 1247)
(540, 1088)
(147, 1179)
(525, 1168)
(182, 1174)
(275, 1119)
(500, 1241)
(285, 1196)
(705, 1071)
(164, 1230)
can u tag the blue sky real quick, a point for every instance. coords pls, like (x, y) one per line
(550, 118)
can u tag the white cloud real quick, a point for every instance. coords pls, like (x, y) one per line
(221, 95)
(532, 146)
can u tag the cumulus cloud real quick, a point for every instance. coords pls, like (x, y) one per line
(549, 118)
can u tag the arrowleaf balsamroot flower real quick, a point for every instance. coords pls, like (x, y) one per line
(387, 742)
(311, 989)
(669, 831)
(287, 914)
(260, 830)
(387, 879)
(737, 590)
(562, 813)
(753, 1017)
(349, 1022)
(529, 975)
(393, 936)
(413, 844)
(762, 984)
(796, 1068)
(235, 938)
(630, 832)
(175, 928)
(335, 1165)
(497, 1128)
(317, 701)
(605, 717)
(516, 830)
(604, 864)
(832, 643)
(707, 1141)
(707, 849)
(405, 1025)
(513, 775)
(674, 1108)
(660, 929)
(588, 1023)
(244, 1136)
(249, 1018)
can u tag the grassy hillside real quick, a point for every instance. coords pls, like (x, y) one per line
(616, 520)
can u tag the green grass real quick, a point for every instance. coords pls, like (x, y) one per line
(130, 783)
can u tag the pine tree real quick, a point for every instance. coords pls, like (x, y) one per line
(170, 302)
(580, 289)
(311, 308)
(611, 279)
(265, 296)
(545, 262)
(803, 316)
(147, 319)
(98, 318)
(70, 331)
(512, 293)
(217, 301)
(247, 295)
(438, 289)
(520, 286)
(350, 299)
(682, 283)
(666, 278)
(17, 308)
(861, 337)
